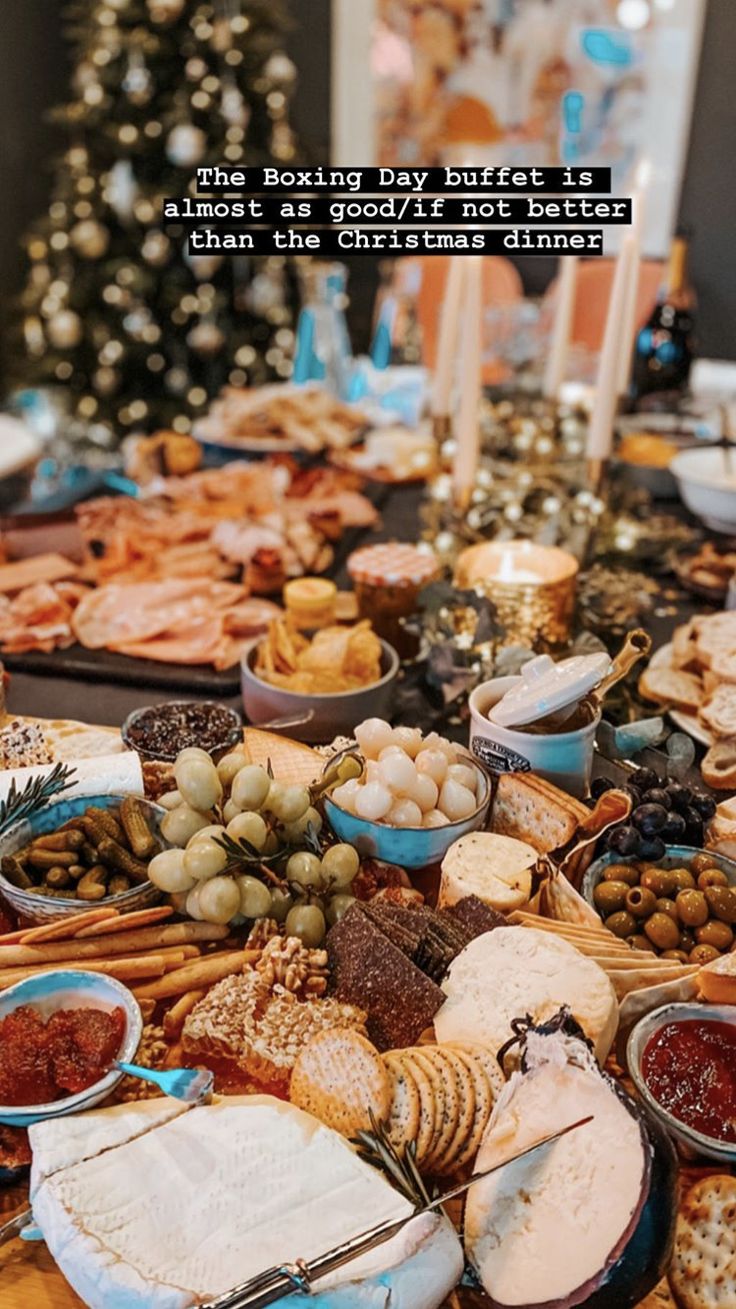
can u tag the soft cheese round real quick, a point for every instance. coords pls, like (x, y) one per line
(538, 1230)
(496, 869)
(173, 1212)
(514, 971)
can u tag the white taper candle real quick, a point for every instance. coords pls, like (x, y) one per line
(471, 380)
(600, 432)
(447, 341)
(559, 346)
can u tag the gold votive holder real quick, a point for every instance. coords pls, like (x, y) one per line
(532, 586)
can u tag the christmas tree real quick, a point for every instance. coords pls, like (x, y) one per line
(140, 334)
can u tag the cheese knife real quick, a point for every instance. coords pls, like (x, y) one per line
(275, 1283)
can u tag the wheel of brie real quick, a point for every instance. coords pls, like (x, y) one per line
(161, 1206)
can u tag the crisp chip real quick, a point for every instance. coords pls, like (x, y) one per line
(336, 659)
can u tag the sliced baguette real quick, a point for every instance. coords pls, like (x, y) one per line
(671, 687)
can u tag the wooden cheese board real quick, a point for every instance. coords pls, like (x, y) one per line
(28, 1274)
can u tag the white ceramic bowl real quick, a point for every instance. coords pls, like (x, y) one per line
(46, 909)
(707, 483)
(70, 989)
(408, 847)
(723, 1151)
(565, 758)
(332, 715)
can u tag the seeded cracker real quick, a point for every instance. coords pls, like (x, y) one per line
(476, 917)
(703, 1269)
(339, 1077)
(403, 1119)
(441, 1073)
(369, 971)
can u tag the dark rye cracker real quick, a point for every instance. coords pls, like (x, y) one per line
(401, 1002)
(475, 917)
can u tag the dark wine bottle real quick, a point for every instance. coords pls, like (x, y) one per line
(665, 346)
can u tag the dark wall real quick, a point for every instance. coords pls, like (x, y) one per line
(33, 75)
(709, 189)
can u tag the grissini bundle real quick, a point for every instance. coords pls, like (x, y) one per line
(175, 1017)
(124, 922)
(59, 930)
(122, 943)
(199, 975)
(125, 970)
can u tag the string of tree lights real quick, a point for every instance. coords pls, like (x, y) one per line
(140, 333)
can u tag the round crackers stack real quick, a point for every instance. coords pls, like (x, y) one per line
(703, 1270)
(438, 1096)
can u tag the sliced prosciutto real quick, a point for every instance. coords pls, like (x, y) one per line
(117, 614)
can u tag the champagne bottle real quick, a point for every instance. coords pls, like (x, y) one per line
(665, 346)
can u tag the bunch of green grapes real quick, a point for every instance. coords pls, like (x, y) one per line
(214, 806)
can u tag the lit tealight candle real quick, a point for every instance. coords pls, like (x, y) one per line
(532, 587)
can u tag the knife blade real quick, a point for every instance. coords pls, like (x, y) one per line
(274, 1283)
(14, 1227)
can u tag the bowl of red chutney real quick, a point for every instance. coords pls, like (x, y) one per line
(682, 1059)
(60, 1035)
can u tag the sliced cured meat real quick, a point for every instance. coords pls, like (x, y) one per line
(217, 638)
(38, 618)
(196, 643)
(250, 617)
(117, 615)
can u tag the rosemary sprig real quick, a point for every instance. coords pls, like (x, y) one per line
(37, 792)
(377, 1149)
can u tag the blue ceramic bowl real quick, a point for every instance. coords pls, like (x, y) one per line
(409, 847)
(674, 857)
(45, 909)
(67, 989)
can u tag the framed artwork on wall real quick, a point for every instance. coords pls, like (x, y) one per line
(526, 82)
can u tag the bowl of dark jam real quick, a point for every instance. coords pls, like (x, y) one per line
(682, 1059)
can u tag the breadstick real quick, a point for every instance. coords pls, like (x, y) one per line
(65, 928)
(198, 976)
(123, 943)
(125, 970)
(174, 1017)
(183, 952)
(140, 918)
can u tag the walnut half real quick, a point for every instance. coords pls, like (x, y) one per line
(290, 964)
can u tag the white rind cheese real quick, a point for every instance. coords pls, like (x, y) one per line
(172, 1210)
(541, 1228)
(515, 971)
(496, 869)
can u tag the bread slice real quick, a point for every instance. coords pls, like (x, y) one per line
(669, 686)
(719, 766)
(724, 666)
(716, 636)
(535, 811)
(684, 651)
(718, 711)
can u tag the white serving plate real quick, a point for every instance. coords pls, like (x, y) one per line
(689, 723)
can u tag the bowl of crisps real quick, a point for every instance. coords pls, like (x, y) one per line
(333, 679)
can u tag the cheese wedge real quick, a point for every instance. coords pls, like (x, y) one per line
(516, 971)
(170, 1211)
(496, 869)
(542, 1231)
